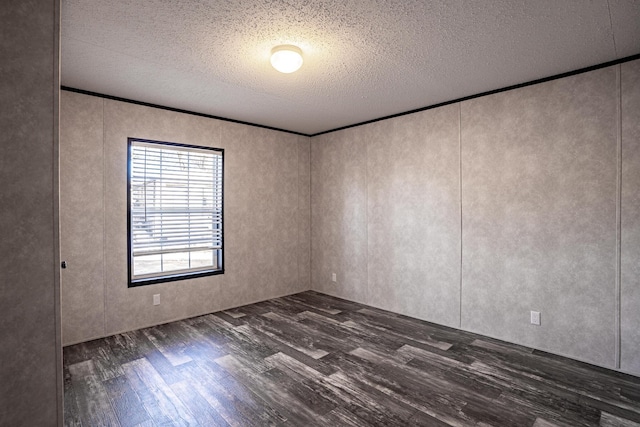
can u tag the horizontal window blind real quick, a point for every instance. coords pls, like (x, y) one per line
(175, 195)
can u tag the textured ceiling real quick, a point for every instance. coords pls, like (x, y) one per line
(364, 59)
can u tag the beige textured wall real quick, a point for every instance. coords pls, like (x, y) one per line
(339, 214)
(473, 214)
(267, 217)
(539, 167)
(630, 284)
(413, 173)
(386, 214)
(30, 352)
(82, 216)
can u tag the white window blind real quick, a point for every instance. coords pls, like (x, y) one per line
(175, 222)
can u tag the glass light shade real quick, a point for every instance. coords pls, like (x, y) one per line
(286, 58)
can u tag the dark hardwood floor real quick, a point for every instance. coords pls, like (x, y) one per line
(310, 359)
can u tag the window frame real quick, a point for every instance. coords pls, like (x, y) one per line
(167, 277)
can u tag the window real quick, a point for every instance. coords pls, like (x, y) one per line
(175, 211)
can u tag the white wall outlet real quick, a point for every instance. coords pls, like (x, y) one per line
(156, 299)
(334, 277)
(535, 318)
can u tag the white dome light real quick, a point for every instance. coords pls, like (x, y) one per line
(286, 58)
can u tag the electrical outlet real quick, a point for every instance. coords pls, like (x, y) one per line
(333, 277)
(535, 318)
(156, 299)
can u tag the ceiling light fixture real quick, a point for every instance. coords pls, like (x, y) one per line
(286, 58)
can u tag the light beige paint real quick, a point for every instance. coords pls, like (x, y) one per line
(537, 221)
(539, 168)
(304, 212)
(630, 284)
(82, 215)
(339, 214)
(266, 231)
(30, 350)
(413, 213)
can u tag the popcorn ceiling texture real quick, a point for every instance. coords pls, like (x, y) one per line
(363, 59)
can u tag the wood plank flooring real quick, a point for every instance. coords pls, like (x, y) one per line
(314, 360)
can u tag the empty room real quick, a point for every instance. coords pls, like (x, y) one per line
(320, 213)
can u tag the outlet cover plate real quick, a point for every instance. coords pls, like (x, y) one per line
(535, 318)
